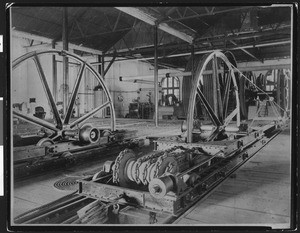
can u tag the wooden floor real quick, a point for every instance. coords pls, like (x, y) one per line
(258, 193)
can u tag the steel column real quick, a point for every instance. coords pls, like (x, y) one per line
(65, 41)
(155, 76)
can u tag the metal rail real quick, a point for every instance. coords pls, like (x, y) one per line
(64, 211)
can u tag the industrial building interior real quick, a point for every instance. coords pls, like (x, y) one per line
(151, 115)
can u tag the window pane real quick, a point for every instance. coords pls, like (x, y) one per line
(164, 83)
(176, 93)
(170, 85)
(170, 82)
(176, 82)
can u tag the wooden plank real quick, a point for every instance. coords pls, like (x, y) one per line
(258, 193)
(20, 206)
(251, 202)
(225, 215)
(274, 190)
(187, 221)
(256, 176)
(39, 194)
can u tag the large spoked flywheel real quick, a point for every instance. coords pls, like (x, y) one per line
(214, 99)
(60, 118)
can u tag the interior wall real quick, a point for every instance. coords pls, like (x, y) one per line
(129, 91)
(19, 86)
(26, 82)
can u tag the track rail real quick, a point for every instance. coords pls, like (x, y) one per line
(66, 209)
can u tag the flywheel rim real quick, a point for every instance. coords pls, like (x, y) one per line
(195, 91)
(61, 125)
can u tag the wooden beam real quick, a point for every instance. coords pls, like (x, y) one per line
(102, 66)
(110, 63)
(81, 48)
(212, 12)
(265, 67)
(244, 66)
(171, 74)
(165, 27)
(245, 51)
(117, 21)
(220, 38)
(26, 35)
(101, 33)
(147, 18)
(212, 50)
(48, 42)
(207, 11)
(268, 65)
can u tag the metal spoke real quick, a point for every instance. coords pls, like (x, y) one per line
(218, 89)
(48, 92)
(74, 94)
(214, 86)
(231, 116)
(213, 134)
(88, 115)
(36, 121)
(218, 108)
(61, 125)
(226, 94)
(208, 108)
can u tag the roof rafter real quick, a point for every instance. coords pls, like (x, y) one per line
(212, 12)
(245, 51)
(147, 18)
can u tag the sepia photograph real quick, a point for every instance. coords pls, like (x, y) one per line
(159, 115)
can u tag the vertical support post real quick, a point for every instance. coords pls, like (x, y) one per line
(103, 76)
(102, 65)
(65, 41)
(98, 94)
(155, 76)
(99, 66)
(54, 74)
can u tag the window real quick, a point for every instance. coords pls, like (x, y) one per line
(170, 90)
